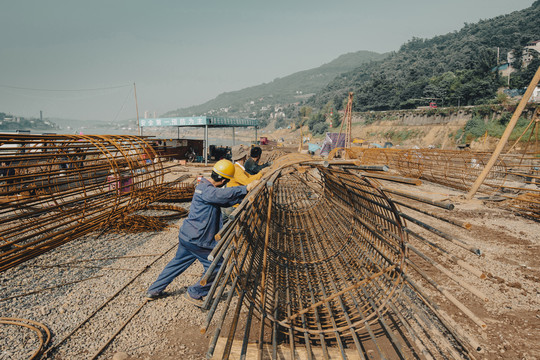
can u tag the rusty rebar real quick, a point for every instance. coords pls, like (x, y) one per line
(320, 256)
(515, 176)
(55, 188)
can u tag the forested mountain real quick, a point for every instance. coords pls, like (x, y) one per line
(455, 68)
(286, 90)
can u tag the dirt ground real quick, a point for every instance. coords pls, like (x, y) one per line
(510, 246)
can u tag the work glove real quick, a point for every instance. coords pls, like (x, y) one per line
(252, 185)
(264, 171)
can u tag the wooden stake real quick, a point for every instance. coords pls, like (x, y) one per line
(505, 136)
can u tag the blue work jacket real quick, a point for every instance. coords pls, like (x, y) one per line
(204, 219)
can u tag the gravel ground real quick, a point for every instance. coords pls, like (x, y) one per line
(62, 309)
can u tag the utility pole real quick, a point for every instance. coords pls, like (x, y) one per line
(137, 108)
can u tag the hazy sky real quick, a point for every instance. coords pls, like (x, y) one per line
(182, 53)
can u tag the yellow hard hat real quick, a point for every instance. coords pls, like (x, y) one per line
(224, 168)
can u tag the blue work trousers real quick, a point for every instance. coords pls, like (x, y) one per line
(186, 254)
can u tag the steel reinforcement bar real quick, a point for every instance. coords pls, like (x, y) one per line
(515, 176)
(320, 259)
(55, 188)
(456, 169)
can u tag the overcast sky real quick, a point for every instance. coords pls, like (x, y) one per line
(182, 53)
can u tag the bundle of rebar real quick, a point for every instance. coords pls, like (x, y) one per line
(177, 191)
(456, 169)
(515, 176)
(522, 189)
(135, 223)
(55, 188)
(319, 257)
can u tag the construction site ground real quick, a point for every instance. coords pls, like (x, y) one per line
(169, 328)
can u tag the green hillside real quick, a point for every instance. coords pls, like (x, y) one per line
(287, 90)
(454, 69)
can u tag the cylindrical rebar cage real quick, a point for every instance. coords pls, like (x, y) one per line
(57, 187)
(326, 252)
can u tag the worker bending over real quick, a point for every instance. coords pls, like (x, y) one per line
(252, 163)
(241, 177)
(196, 236)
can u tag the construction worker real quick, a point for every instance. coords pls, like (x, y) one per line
(252, 163)
(241, 177)
(196, 236)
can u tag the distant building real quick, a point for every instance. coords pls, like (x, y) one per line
(526, 57)
(535, 45)
(536, 95)
(529, 50)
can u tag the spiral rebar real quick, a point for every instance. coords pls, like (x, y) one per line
(515, 176)
(320, 257)
(55, 188)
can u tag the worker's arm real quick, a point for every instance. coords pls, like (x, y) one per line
(243, 178)
(225, 197)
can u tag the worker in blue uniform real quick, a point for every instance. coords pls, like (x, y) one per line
(196, 236)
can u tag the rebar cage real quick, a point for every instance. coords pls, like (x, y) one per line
(326, 252)
(57, 187)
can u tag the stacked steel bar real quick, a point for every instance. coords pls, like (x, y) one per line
(55, 188)
(515, 176)
(456, 169)
(523, 186)
(319, 257)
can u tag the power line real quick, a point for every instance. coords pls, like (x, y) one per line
(64, 90)
(123, 104)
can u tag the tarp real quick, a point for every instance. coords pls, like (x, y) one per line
(332, 141)
(313, 147)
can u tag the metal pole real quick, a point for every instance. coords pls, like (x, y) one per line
(205, 144)
(506, 135)
(233, 139)
(256, 134)
(137, 109)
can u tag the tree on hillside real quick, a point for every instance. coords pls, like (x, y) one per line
(522, 77)
(305, 111)
(456, 66)
(317, 123)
